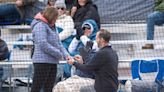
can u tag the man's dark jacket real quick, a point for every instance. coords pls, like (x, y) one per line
(104, 64)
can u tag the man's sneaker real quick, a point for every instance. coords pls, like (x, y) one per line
(148, 46)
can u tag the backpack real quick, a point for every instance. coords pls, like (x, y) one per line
(4, 51)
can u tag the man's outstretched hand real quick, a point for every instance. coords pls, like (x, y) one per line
(78, 58)
(70, 60)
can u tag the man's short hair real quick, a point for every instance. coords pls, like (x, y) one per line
(105, 35)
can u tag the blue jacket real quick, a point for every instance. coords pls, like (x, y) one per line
(104, 64)
(66, 41)
(48, 47)
(92, 37)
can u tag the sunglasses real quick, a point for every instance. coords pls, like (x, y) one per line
(62, 8)
(84, 28)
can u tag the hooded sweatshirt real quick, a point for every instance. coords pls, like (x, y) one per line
(48, 47)
(76, 44)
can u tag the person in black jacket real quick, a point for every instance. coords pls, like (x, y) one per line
(104, 64)
(81, 11)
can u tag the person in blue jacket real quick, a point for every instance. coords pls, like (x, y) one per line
(89, 29)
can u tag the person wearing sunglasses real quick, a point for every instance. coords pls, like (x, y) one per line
(65, 26)
(64, 23)
(89, 29)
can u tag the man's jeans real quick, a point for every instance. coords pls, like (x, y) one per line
(155, 18)
(9, 14)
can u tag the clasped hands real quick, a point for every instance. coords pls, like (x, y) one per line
(72, 60)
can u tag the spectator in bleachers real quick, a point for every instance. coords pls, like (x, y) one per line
(21, 11)
(104, 64)
(48, 50)
(64, 23)
(65, 26)
(155, 18)
(81, 11)
(89, 28)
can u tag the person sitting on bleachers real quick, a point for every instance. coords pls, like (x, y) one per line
(155, 18)
(65, 26)
(21, 11)
(89, 29)
(64, 23)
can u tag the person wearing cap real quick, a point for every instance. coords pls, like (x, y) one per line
(89, 28)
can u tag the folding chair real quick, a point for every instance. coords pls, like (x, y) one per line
(149, 73)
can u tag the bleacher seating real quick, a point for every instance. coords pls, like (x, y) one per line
(124, 63)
